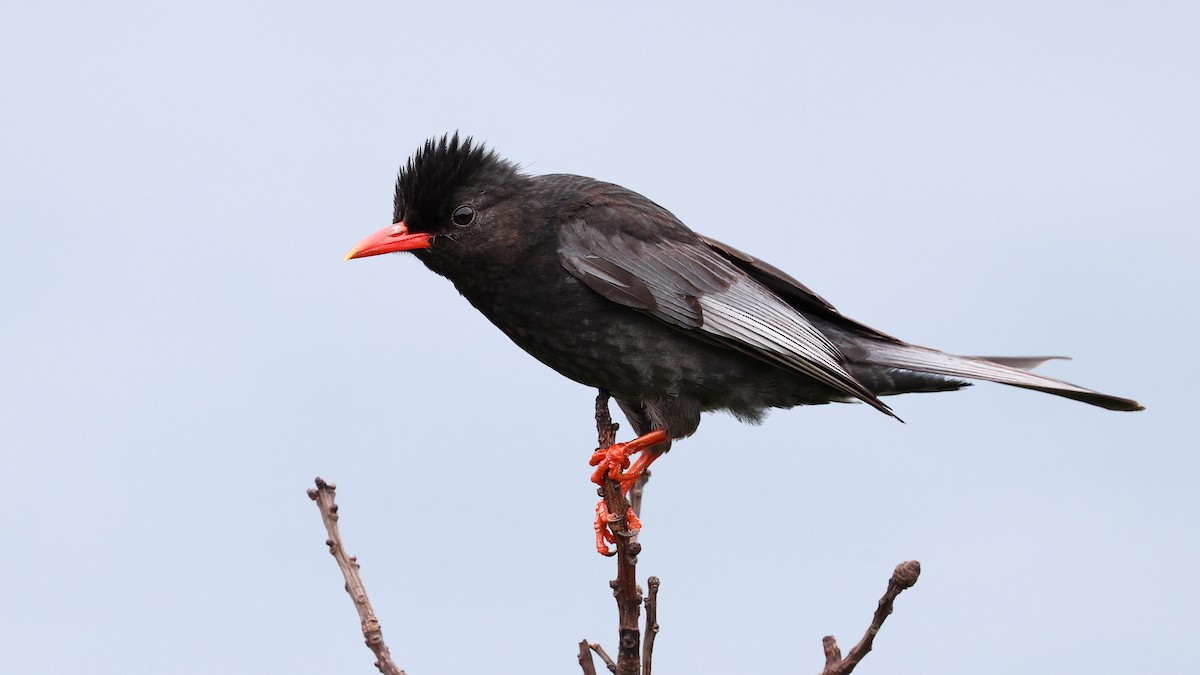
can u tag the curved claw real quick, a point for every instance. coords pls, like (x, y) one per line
(603, 527)
(613, 460)
(633, 522)
(603, 536)
(610, 461)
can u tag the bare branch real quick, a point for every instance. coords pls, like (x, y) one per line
(651, 624)
(608, 662)
(606, 431)
(585, 658)
(625, 589)
(637, 491)
(903, 577)
(323, 495)
(833, 654)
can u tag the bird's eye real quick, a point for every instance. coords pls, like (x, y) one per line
(463, 216)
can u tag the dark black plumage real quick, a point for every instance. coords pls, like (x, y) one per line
(611, 290)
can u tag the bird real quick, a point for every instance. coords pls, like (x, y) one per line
(613, 291)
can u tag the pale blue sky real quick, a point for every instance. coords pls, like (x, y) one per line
(184, 349)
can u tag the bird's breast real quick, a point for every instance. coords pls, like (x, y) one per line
(575, 331)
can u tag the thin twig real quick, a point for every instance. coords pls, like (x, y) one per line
(903, 577)
(637, 491)
(651, 624)
(585, 658)
(606, 431)
(323, 495)
(608, 662)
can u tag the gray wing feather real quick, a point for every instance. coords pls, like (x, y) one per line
(602, 276)
(693, 288)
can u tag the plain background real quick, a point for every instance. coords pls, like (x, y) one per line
(184, 349)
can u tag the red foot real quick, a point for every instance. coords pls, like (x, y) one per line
(604, 535)
(613, 459)
(610, 462)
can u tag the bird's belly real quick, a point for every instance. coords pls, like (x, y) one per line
(618, 351)
(587, 338)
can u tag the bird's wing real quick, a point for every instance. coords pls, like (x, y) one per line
(637, 254)
(789, 289)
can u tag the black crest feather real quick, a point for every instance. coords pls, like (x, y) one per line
(426, 183)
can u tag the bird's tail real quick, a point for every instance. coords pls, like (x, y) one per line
(1013, 370)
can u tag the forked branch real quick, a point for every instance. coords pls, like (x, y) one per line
(903, 577)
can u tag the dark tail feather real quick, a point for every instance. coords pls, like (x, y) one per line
(887, 381)
(1010, 370)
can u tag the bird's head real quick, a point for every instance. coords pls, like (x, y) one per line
(454, 202)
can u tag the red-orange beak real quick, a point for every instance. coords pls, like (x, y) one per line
(389, 240)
